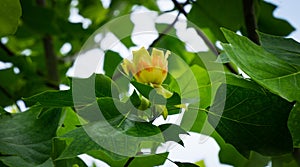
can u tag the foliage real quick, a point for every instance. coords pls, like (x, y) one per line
(254, 120)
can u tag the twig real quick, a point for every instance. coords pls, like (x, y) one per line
(210, 45)
(165, 31)
(250, 21)
(6, 49)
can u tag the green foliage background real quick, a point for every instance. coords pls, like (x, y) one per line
(261, 118)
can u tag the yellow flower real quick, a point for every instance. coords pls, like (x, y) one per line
(148, 69)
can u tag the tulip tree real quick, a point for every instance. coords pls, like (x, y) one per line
(112, 116)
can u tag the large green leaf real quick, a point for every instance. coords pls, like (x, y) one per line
(252, 120)
(276, 74)
(82, 92)
(109, 132)
(25, 139)
(10, 13)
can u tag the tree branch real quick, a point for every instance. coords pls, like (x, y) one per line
(250, 20)
(51, 60)
(50, 57)
(165, 31)
(210, 45)
(6, 49)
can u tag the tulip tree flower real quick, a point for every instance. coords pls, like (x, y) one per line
(151, 70)
(148, 69)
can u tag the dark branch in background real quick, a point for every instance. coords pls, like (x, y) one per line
(6, 49)
(50, 57)
(165, 31)
(250, 20)
(210, 45)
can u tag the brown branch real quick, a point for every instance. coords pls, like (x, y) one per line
(50, 56)
(250, 20)
(51, 60)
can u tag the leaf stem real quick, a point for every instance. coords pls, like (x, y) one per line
(129, 161)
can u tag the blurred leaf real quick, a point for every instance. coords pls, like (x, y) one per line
(39, 19)
(9, 87)
(266, 21)
(210, 16)
(252, 121)
(93, 10)
(10, 13)
(279, 76)
(294, 124)
(25, 139)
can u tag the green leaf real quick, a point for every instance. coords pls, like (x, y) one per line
(58, 148)
(70, 120)
(109, 132)
(144, 89)
(185, 164)
(82, 92)
(286, 49)
(10, 13)
(266, 21)
(252, 120)
(171, 132)
(111, 62)
(51, 98)
(112, 161)
(279, 76)
(25, 139)
(149, 161)
(40, 20)
(223, 58)
(294, 124)
(210, 15)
